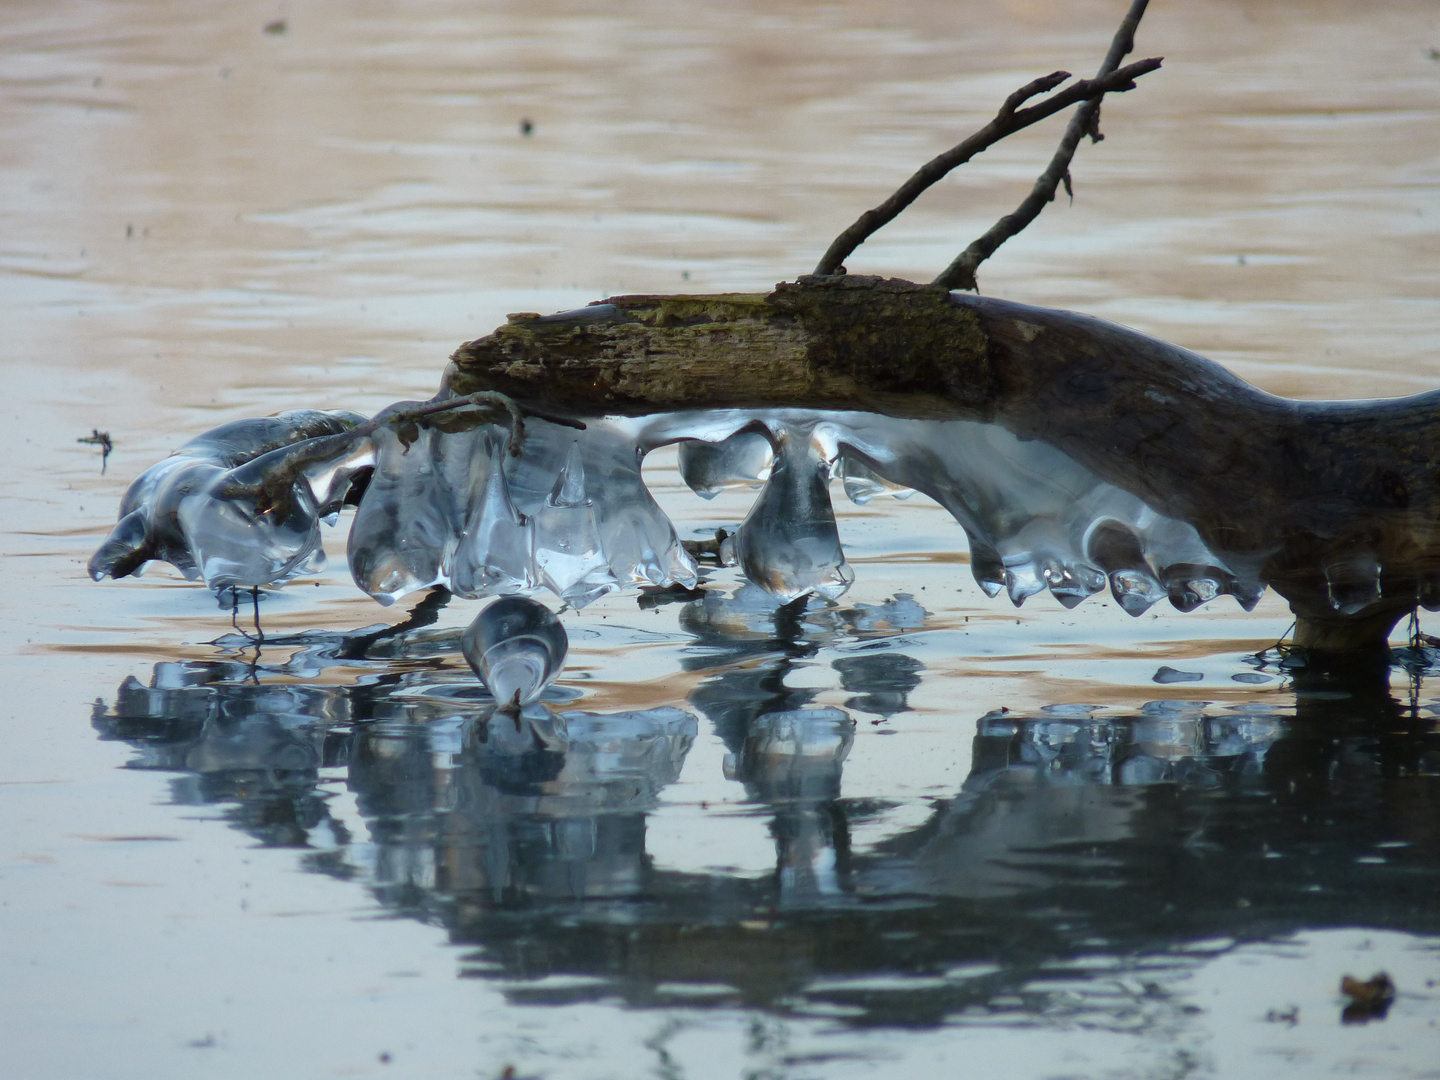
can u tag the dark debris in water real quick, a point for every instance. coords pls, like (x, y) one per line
(1369, 1000)
(101, 439)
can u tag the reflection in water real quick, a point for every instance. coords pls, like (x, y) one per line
(1084, 841)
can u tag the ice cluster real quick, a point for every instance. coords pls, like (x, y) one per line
(566, 510)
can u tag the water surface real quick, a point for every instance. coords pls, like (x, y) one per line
(915, 831)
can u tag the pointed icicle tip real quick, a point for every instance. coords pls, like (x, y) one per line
(569, 489)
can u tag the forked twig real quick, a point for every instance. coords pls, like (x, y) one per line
(269, 477)
(960, 274)
(1010, 119)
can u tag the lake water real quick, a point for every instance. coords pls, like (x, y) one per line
(912, 833)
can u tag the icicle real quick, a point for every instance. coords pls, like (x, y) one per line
(1116, 549)
(1039, 557)
(986, 566)
(788, 543)
(566, 541)
(517, 648)
(709, 468)
(639, 542)
(235, 546)
(1192, 584)
(863, 483)
(406, 527)
(493, 555)
(1353, 584)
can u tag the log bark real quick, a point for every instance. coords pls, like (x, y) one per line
(1333, 498)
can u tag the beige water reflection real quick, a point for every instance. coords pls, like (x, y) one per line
(201, 220)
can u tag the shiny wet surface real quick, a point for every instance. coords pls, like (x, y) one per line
(912, 831)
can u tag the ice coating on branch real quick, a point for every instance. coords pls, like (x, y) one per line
(206, 511)
(517, 648)
(789, 544)
(407, 526)
(493, 556)
(709, 468)
(567, 549)
(863, 483)
(244, 533)
(570, 511)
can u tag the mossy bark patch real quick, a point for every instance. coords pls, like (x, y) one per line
(821, 343)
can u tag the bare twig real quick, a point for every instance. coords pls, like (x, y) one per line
(960, 274)
(101, 439)
(1010, 119)
(485, 399)
(269, 477)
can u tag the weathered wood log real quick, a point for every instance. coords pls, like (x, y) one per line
(1339, 502)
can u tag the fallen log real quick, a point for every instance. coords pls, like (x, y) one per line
(1337, 503)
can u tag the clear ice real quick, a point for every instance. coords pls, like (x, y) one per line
(570, 512)
(517, 648)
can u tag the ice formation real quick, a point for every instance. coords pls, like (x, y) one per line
(516, 647)
(568, 512)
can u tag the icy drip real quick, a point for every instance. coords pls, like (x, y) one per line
(789, 544)
(1038, 520)
(1353, 584)
(571, 512)
(243, 533)
(863, 483)
(517, 648)
(406, 527)
(744, 458)
(566, 538)
(236, 546)
(493, 555)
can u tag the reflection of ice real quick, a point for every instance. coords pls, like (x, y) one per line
(792, 760)
(1044, 791)
(881, 679)
(1083, 840)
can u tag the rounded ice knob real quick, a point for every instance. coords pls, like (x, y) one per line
(517, 648)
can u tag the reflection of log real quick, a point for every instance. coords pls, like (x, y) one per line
(1340, 501)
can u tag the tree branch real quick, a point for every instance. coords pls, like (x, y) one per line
(960, 274)
(1010, 119)
(1318, 494)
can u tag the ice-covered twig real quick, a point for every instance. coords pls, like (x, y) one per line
(1010, 119)
(960, 274)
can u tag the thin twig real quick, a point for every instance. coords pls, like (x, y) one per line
(1010, 119)
(101, 439)
(280, 467)
(960, 274)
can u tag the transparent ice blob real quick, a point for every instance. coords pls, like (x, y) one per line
(517, 648)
